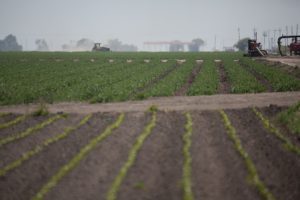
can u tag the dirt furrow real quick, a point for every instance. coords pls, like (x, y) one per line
(22, 126)
(185, 87)
(28, 179)
(224, 85)
(157, 173)
(7, 117)
(272, 112)
(277, 167)
(14, 150)
(94, 175)
(218, 172)
(154, 81)
(258, 77)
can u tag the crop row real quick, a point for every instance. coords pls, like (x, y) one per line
(279, 80)
(170, 84)
(241, 80)
(207, 81)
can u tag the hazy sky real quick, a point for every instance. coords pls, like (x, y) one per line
(136, 21)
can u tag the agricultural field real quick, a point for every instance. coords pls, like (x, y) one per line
(189, 126)
(35, 77)
(210, 154)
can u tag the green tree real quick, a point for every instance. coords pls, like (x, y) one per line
(242, 44)
(195, 45)
(10, 44)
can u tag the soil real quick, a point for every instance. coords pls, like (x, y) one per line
(26, 180)
(183, 90)
(272, 113)
(100, 167)
(259, 77)
(224, 85)
(29, 142)
(22, 126)
(277, 167)
(179, 103)
(157, 173)
(218, 171)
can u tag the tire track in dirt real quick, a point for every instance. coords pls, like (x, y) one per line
(157, 173)
(258, 77)
(218, 172)
(191, 78)
(25, 183)
(224, 85)
(15, 150)
(277, 167)
(92, 178)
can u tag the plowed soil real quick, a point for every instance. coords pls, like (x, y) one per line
(218, 172)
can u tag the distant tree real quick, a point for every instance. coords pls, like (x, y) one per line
(116, 45)
(176, 46)
(242, 44)
(41, 45)
(84, 44)
(195, 45)
(10, 44)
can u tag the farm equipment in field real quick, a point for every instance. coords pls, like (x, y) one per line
(254, 49)
(97, 47)
(294, 46)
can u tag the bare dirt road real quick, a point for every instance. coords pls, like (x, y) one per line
(178, 103)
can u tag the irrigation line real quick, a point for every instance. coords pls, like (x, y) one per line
(275, 131)
(64, 170)
(113, 191)
(29, 131)
(187, 169)
(12, 122)
(253, 175)
(39, 148)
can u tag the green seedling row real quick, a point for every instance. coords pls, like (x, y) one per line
(13, 122)
(77, 158)
(29, 131)
(272, 129)
(253, 175)
(38, 148)
(113, 191)
(187, 159)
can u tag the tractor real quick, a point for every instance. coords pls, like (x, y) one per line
(294, 45)
(254, 49)
(97, 47)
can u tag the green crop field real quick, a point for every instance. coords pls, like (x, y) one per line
(30, 77)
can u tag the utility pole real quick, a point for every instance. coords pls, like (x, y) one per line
(239, 34)
(292, 30)
(254, 33)
(215, 48)
(297, 27)
(265, 34)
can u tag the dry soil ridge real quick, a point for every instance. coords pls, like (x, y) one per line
(178, 103)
